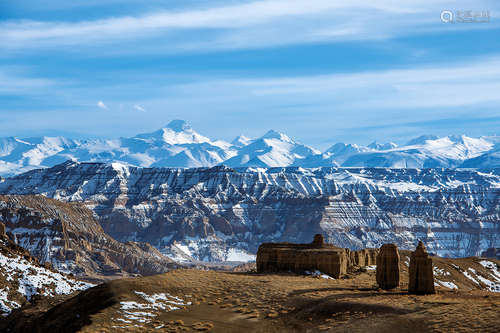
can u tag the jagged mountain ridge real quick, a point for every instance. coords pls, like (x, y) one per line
(178, 145)
(272, 149)
(175, 145)
(221, 213)
(67, 236)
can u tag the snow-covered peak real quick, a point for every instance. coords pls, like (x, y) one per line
(458, 147)
(179, 125)
(424, 152)
(178, 145)
(382, 146)
(177, 132)
(341, 148)
(458, 138)
(241, 141)
(340, 152)
(272, 134)
(422, 139)
(273, 149)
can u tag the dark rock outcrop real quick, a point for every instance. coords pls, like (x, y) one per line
(421, 275)
(388, 267)
(289, 257)
(491, 253)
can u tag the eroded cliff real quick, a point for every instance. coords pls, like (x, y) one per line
(224, 214)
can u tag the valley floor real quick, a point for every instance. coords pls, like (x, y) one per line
(196, 300)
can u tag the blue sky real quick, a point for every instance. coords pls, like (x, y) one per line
(320, 71)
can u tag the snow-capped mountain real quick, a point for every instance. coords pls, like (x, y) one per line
(336, 155)
(178, 145)
(177, 132)
(19, 155)
(423, 152)
(273, 149)
(223, 213)
(382, 146)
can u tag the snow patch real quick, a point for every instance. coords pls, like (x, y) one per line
(32, 280)
(239, 255)
(447, 284)
(143, 312)
(319, 274)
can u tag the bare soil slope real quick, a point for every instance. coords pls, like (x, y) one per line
(195, 300)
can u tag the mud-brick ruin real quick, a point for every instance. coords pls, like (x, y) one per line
(421, 274)
(298, 258)
(335, 261)
(388, 267)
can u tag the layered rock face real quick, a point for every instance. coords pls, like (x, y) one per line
(388, 267)
(67, 236)
(287, 257)
(23, 279)
(224, 214)
(420, 271)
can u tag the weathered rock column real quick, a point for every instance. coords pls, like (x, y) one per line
(371, 257)
(2, 230)
(388, 267)
(421, 274)
(318, 240)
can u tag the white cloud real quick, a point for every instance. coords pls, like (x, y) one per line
(426, 87)
(139, 108)
(249, 24)
(101, 105)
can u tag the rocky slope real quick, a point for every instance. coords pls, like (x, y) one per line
(217, 214)
(67, 236)
(23, 279)
(179, 145)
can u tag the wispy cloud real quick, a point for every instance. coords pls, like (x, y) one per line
(243, 25)
(453, 85)
(139, 108)
(474, 82)
(16, 81)
(101, 105)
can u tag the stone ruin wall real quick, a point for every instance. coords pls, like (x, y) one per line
(364, 257)
(298, 258)
(335, 261)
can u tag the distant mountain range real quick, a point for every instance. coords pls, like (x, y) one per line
(178, 145)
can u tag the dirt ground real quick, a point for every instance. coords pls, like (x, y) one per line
(250, 302)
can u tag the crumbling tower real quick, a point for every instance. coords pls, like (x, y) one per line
(421, 274)
(388, 267)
